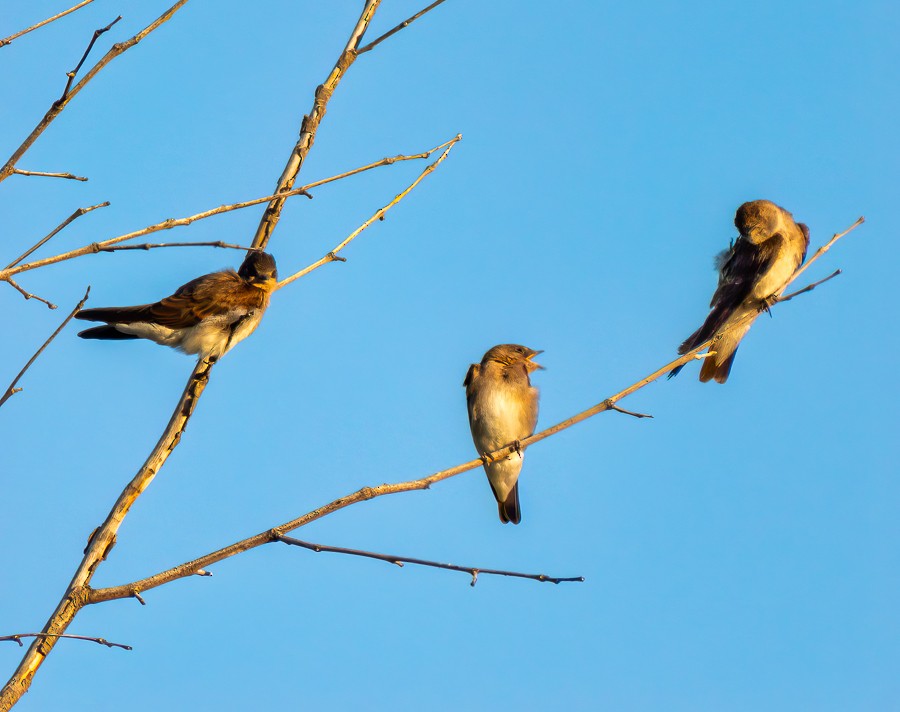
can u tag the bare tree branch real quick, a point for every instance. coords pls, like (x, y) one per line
(11, 389)
(379, 215)
(6, 40)
(808, 287)
(155, 245)
(7, 169)
(71, 74)
(310, 126)
(29, 295)
(473, 571)
(102, 246)
(70, 176)
(103, 539)
(17, 638)
(195, 566)
(402, 26)
(74, 216)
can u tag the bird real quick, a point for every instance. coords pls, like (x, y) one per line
(207, 316)
(769, 249)
(503, 409)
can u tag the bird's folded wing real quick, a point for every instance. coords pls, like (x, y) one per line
(746, 264)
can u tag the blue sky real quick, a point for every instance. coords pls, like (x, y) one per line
(740, 549)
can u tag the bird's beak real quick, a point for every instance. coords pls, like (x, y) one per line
(532, 366)
(266, 283)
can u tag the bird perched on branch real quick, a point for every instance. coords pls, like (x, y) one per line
(770, 248)
(206, 316)
(503, 409)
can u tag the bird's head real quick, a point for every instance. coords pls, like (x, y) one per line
(758, 220)
(513, 354)
(259, 270)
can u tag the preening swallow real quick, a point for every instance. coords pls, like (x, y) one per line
(770, 248)
(503, 409)
(206, 316)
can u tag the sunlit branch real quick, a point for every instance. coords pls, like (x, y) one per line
(56, 108)
(6, 40)
(193, 567)
(402, 26)
(379, 215)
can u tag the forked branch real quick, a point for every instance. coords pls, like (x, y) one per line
(191, 568)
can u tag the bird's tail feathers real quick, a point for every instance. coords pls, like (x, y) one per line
(114, 315)
(718, 366)
(509, 509)
(106, 332)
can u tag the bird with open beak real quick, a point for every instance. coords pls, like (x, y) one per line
(770, 248)
(206, 316)
(503, 409)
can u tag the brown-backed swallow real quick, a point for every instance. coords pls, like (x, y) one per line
(503, 409)
(770, 248)
(206, 316)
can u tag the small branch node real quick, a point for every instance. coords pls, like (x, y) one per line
(474, 580)
(136, 594)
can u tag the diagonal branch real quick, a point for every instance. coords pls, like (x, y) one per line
(71, 74)
(17, 638)
(170, 223)
(70, 176)
(7, 169)
(402, 26)
(6, 40)
(11, 389)
(310, 126)
(74, 216)
(379, 215)
(195, 566)
(473, 571)
(103, 540)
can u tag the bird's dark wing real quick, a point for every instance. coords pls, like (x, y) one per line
(746, 264)
(805, 230)
(742, 268)
(192, 303)
(469, 383)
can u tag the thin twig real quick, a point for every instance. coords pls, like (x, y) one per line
(96, 247)
(12, 390)
(71, 74)
(403, 25)
(7, 40)
(154, 245)
(74, 216)
(7, 169)
(70, 176)
(808, 287)
(379, 215)
(310, 126)
(17, 638)
(473, 571)
(29, 295)
(613, 406)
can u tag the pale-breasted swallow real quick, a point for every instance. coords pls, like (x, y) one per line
(770, 248)
(206, 316)
(503, 409)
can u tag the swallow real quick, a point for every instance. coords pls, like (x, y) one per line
(503, 409)
(769, 249)
(206, 316)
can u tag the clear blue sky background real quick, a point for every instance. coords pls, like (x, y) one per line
(740, 550)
